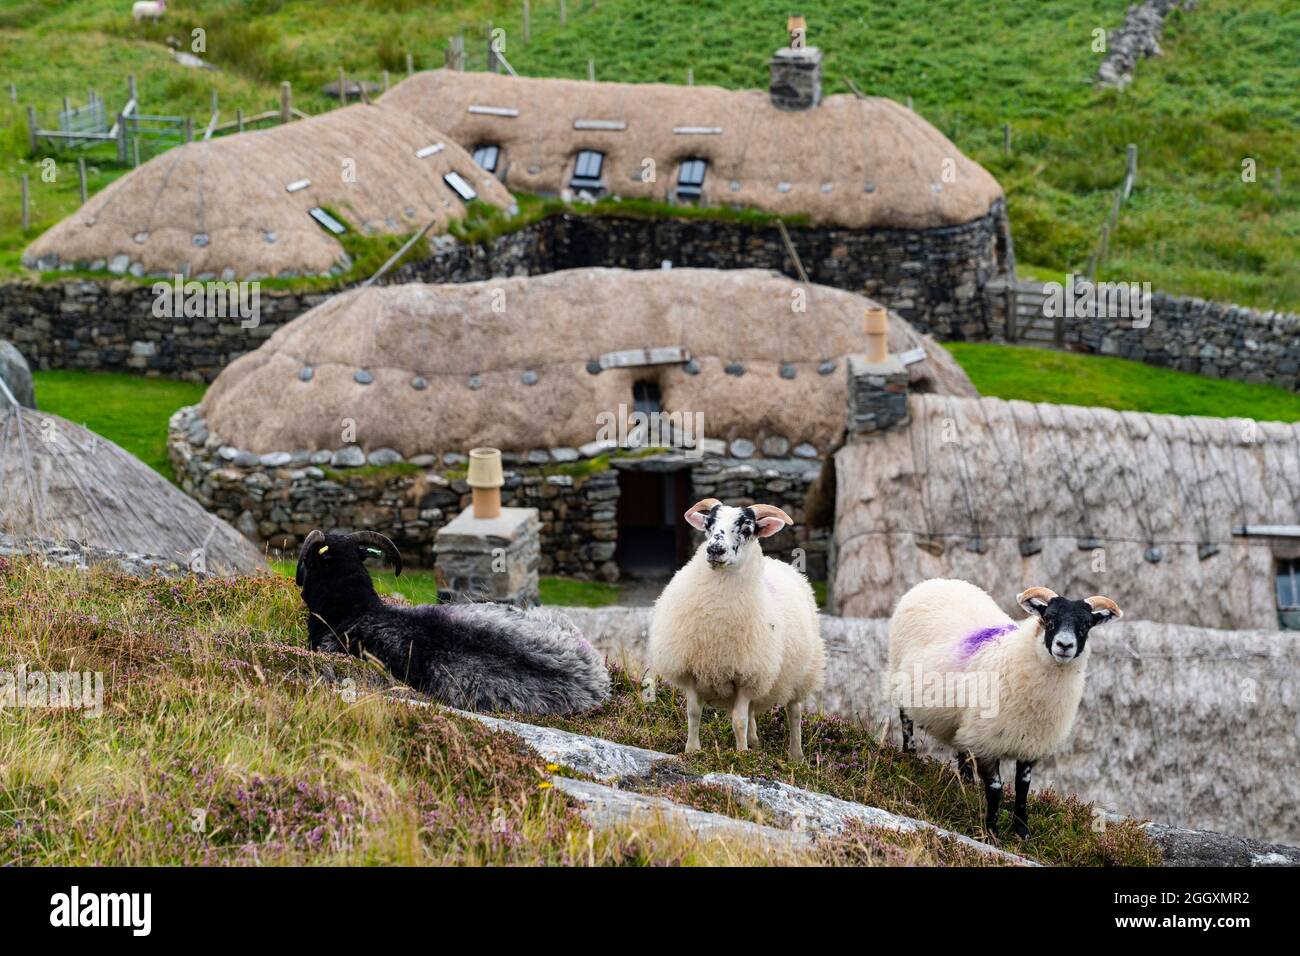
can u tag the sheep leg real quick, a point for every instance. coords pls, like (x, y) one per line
(909, 744)
(753, 727)
(740, 719)
(694, 707)
(1020, 814)
(966, 766)
(794, 717)
(990, 772)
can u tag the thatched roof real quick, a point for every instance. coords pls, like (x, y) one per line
(505, 331)
(852, 162)
(1001, 472)
(222, 204)
(63, 483)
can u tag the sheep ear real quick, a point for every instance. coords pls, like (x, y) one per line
(1035, 600)
(1103, 610)
(699, 511)
(769, 526)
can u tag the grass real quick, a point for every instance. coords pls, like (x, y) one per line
(128, 410)
(1067, 378)
(1225, 91)
(847, 761)
(419, 586)
(224, 741)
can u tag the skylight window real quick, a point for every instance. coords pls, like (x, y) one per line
(690, 178)
(487, 156)
(586, 171)
(459, 184)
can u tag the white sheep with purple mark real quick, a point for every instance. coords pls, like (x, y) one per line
(988, 686)
(737, 630)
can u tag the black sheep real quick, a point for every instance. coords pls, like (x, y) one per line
(474, 656)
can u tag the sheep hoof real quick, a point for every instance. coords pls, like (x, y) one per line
(692, 748)
(1020, 829)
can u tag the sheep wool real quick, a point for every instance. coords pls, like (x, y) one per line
(734, 625)
(948, 635)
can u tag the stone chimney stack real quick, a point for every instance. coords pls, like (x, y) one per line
(877, 382)
(796, 71)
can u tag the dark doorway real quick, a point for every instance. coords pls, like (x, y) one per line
(653, 540)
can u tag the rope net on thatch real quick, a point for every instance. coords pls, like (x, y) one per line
(221, 207)
(64, 484)
(440, 368)
(855, 162)
(1009, 495)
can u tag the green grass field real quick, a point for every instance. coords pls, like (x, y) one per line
(1067, 378)
(128, 410)
(1226, 91)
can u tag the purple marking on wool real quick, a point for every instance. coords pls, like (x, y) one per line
(972, 642)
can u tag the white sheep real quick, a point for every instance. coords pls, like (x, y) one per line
(148, 10)
(737, 630)
(988, 686)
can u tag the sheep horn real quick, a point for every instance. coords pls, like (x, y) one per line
(1105, 604)
(704, 504)
(1044, 595)
(770, 511)
(383, 543)
(312, 537)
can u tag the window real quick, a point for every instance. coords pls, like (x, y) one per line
(458, 183)
(690, 178)
(586, 171)
(487, 155)
(1288, 592)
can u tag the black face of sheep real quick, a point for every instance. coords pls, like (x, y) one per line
(1066, 623)
(474, 656)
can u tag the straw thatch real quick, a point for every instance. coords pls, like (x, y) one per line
(1183, 725)
(851, 162)
(551, 326)
(221, 207)
(996, 472)
(63, 483)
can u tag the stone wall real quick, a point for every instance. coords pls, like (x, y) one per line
(1193, 335)
(933, 278)
(275, 499)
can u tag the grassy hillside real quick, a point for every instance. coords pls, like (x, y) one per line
(1068, 378)
(1227, 89)
(224, 741)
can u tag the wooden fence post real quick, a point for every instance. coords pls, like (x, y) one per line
(527, 25)
(189, 129)
(121, 138)
(286, 105)
(591, 71)
(13, 93)
(31, 128)
(27, 211)
(564, 14)
(1130, 169)
(410, 65)
(239, 118)
(343, 93)
(130, 90)
(135, 151)
(385, 81)
(690, 76)
(81, 176)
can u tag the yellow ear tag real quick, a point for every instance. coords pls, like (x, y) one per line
(323, 549)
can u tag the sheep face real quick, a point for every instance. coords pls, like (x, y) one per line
(1066, 623)
(731, 534)
(336, 557)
